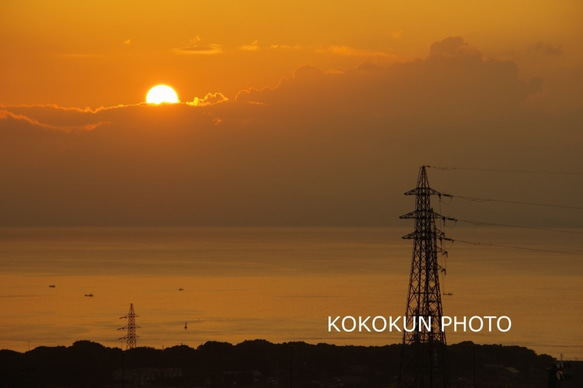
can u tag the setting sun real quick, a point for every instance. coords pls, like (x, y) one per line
(162, 94)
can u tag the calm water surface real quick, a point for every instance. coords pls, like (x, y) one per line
(278, 284)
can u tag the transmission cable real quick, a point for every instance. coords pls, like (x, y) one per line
(478, 199)
(481, 223)
(555, 172)
(517, 247)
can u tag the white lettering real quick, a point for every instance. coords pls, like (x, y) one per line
(332, 324)
(474, 318)
(379, 324)
(348, 317)
(362, 324)
(374, 326)
(405, 325)
(489, 318)
(393, 323)
(456, 323)
(427, 323)
(509, 323)
(443, 322)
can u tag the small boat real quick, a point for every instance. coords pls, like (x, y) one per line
(52, 286)
(181, 289)
(89, 295)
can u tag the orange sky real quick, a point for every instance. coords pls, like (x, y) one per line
(103, 53)
(308, 113)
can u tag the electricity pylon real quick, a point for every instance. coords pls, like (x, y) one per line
(131, 336)
(423, 357)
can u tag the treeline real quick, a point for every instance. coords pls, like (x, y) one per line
(259, 363)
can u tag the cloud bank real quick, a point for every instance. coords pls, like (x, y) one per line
(317, 149)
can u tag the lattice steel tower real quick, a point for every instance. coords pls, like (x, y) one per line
(423, 358)
(131, 327)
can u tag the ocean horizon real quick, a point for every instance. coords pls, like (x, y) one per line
(190, 285)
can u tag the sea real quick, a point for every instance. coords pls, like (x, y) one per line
(191, 285)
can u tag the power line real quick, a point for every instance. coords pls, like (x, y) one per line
(478, 199)
(520, 226)
(552, 172)
(517, 247)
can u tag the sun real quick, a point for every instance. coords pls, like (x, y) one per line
(162, 94)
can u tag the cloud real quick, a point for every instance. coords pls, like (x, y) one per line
(351, 52)
(547, 49)
(253, 46)
(285, 47)
(318, 148)
(7, 116)
(452, 46)
(454, 77)
(195, 49)
(209, 99)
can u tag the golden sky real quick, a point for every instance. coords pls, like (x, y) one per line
(101, 53)
(307, 113)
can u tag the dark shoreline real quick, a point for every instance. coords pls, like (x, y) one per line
(259, 363)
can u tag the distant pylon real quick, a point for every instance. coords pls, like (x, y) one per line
(131, 327)
(423, 358)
